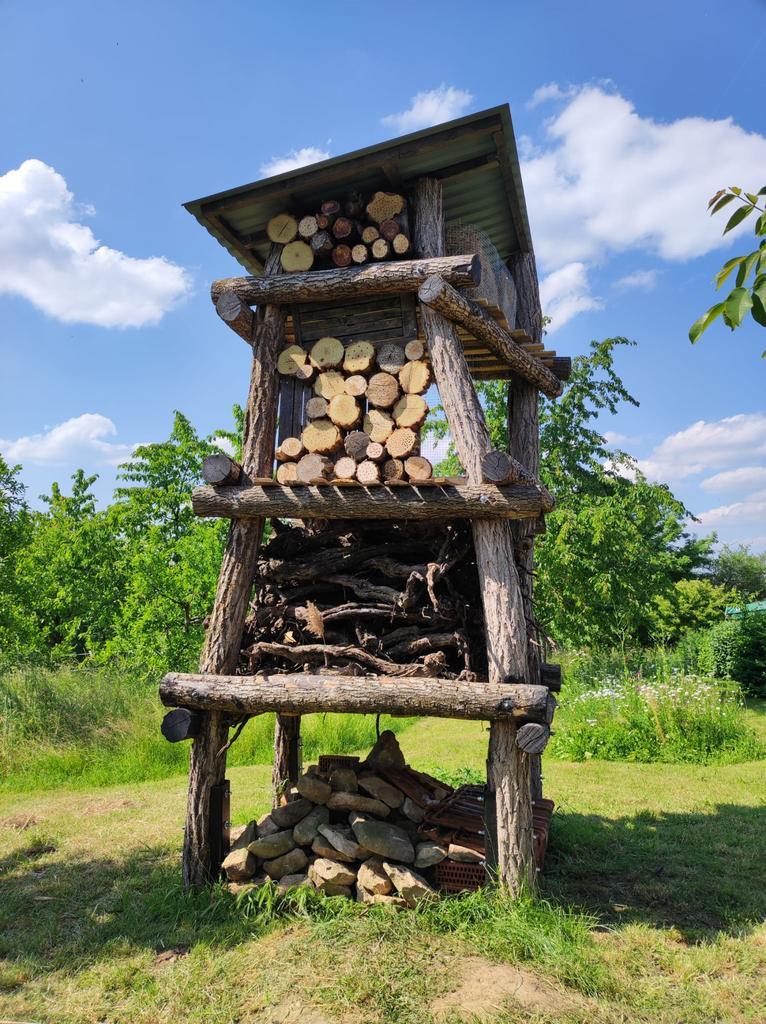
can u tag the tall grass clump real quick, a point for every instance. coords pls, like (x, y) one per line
(99, 726)
(679, 718)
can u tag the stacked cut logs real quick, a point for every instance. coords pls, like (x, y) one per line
(398, 599)
(364, 419)
(343, 234)
(354, 830)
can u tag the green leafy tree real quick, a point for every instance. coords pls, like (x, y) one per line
(690, 605)
(16, 626)
(615, 542)
(172, 558)
(749, 294)
(742, 571)
(72, 572)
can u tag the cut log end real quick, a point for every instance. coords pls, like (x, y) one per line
(391, 357)
(359, 357)
(368, 472)
(282, 229)
(313, 468)
(322, 436)
(345, 468)
(402, 443)
(418, 468)
(344, 411)
(290, 359)
(220, 470)
(384, 206)
(327, 353)
(290, 450)
(414, 377)
(383, 390)
(410, 411)
(297, 256)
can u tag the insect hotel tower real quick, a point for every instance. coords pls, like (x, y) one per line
(375, 276)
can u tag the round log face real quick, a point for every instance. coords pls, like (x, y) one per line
(297, 256)
(378, 425)
(327, 353)
(383, 390)
(282, 229)
(290, 359)
(329, 384)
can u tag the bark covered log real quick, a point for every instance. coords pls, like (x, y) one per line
(373, 279)
(442, 297)
(304, 693)
(442, 501)
(224, 633)
(507, 768)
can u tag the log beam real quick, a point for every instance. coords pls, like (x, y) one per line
(510, 814)
(302, 694)
(350, 282)
(438, 294)
(327, 501)
(207, 766)
(236, 314)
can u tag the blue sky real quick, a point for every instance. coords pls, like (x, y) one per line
(627, 121)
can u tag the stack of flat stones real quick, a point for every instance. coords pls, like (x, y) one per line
(348, 833)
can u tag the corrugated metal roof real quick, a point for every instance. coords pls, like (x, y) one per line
(474, 156)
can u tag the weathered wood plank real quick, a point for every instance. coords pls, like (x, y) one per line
(328, 501)
(302, 693)
(370, 279)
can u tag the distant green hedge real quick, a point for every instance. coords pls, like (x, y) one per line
(736, 649)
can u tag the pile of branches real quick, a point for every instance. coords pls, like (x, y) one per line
(397, 599)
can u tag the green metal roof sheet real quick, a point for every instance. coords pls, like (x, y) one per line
(475, 157)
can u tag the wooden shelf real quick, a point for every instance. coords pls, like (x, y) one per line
(303, 693)
(351, 500)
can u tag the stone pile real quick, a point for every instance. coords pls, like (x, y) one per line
(347, 832)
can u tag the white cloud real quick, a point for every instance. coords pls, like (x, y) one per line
(48, 257)
(751, 510)
(565, 292)
(81, 437)
(705, 446)
(604, 179)
(224, 444)
(429, 108)
(550, 91)
(615, 437)
(641, 280)
(295, 158)
(611, 180)
(745, 478)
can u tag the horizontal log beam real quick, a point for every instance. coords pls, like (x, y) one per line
(349, 282)
(484, 501)
(439, 295)
(301, 694)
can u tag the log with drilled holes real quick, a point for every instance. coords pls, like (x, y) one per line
(445, 501)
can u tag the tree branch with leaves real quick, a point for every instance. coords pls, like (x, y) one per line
(749, 295)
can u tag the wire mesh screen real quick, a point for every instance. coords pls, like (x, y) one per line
(496, 287)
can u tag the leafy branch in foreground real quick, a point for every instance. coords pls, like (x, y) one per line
(747, 295)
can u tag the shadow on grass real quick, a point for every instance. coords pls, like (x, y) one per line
(64, 914)
(701, 873)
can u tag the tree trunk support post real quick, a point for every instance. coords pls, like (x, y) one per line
(220, 654)
(507, 765)
(524, 445)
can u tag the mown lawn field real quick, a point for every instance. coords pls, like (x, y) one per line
(653, 911)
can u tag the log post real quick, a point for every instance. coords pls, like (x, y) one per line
(524, 445)
(207, 766)
(507, 764)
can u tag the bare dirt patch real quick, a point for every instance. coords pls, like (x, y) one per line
(484, 988)
(20, 822)
(109, 806)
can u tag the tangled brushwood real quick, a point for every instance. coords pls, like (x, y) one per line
(397, 599)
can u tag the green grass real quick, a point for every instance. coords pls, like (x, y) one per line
(652, 910)
(93, 727)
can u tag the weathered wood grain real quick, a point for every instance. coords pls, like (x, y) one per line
(468, 501)
(510, 845)
(303, 693)
(351, 282)
(438, 294)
